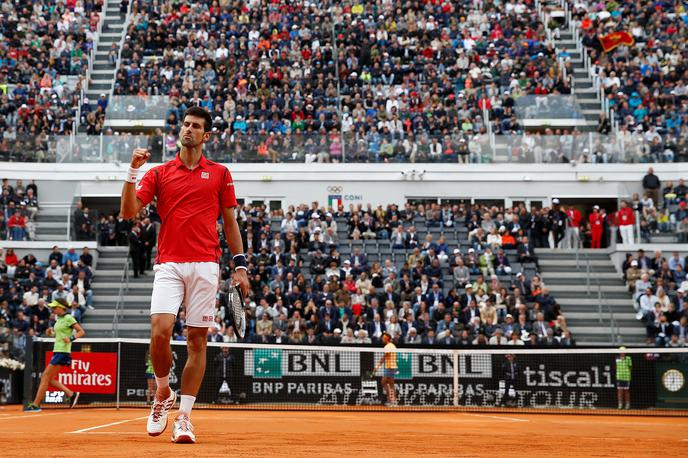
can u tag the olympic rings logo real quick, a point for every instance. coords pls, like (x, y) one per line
(334, 189)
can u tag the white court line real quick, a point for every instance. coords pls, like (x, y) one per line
(105, 425)
(31, 415)
(496, 417)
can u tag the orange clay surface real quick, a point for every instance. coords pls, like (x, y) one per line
(109, 432)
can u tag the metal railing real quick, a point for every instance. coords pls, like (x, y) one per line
(89, 70)
(602, 305)
(123, 291)
(127, 21)
(587, 61)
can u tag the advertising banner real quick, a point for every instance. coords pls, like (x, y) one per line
(94, 373)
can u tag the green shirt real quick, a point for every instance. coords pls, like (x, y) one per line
(623, 369)
(63, 328)
(149, 366)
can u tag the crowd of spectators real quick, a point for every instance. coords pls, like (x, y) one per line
(42, 45)
(645, 84)
(372, 80)
(662, 209)
(328, 276)
(659, 285)
(28, 285)
(19, 205)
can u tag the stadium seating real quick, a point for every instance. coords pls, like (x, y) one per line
(361, 82)
(384, 85)
(644, 83)
(45, 50)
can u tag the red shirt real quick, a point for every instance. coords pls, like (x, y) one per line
(596, 221)
(574, 217)
(189, 204)
(16, 221)
(625, 216)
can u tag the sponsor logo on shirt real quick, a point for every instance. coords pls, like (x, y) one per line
(208, 318)
(205, 175)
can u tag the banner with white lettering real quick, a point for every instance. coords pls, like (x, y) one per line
(94, 373)
(330, 376)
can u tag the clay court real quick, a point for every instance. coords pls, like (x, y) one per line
(109, 432)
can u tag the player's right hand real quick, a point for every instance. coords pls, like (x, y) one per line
(140, 156)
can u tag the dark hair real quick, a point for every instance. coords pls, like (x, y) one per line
(200, 113)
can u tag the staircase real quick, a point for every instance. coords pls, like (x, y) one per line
(135, 318)
(102, 77)
(579, 299)
(52, 222)
(582, 85)
(671, 237)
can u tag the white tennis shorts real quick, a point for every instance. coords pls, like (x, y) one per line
(193, 284)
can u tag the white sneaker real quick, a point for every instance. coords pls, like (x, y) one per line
(157, 420)
(182, 430)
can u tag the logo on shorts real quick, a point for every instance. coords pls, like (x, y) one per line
(208, 318)
(205, 175)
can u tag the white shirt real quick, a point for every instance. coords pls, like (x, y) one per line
(31, 298)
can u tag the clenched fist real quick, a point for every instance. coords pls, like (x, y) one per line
(140, 156)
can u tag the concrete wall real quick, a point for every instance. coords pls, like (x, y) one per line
(369, 183)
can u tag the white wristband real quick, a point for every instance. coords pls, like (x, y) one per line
(132, 173)
(241, 267)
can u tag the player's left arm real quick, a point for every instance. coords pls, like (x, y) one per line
(79, 332)
(236, 246)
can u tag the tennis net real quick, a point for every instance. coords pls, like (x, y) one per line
(111, 373)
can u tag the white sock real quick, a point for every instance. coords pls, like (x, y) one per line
(163, 382)
(186, 403)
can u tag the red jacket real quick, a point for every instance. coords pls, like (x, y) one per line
(16, 221)
(574, 217)
(625, 216)
(596, 221)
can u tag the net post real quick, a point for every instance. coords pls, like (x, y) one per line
(28, 371)
(455, 374)
(119, 366)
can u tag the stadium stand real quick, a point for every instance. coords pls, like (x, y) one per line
(46, 48)
(659, 284)
(360, 82)
(28, 284)
(643, 84)
(370, 250)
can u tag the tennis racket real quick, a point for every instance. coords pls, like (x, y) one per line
(236, 308)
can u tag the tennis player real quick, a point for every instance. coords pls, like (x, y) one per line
(65, 327)
(389, 360)
(191, 192)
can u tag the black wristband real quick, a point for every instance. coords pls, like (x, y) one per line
(240, 261)
(72, 338)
